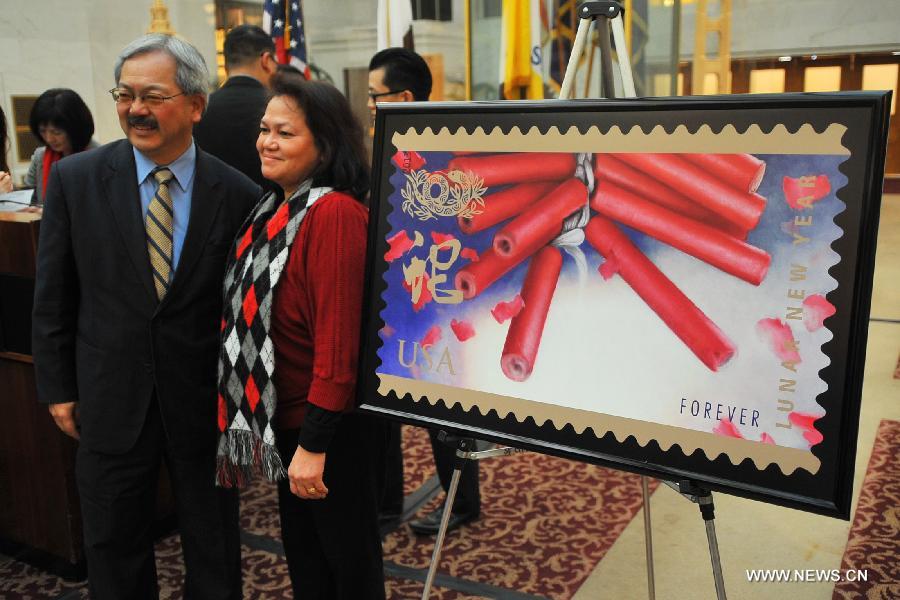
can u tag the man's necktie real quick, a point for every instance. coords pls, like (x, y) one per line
(159, 232)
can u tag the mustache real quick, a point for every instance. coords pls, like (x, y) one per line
(142, 121)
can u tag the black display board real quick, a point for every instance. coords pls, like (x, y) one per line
(674, 287)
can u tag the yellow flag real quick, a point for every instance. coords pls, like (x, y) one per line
(520, 64)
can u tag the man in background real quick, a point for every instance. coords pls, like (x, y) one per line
(401, 75)
(127, 313)
(230, 126)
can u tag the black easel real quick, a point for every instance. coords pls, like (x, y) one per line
(608, 15)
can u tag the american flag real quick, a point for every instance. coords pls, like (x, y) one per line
(283, 20)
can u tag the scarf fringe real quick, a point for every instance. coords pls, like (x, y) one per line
(243, 455)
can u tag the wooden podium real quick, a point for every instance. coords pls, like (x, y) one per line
(40, 515)
(40, 521)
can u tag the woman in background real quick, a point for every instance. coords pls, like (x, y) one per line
(6, 185)
(293, 297)
(62, 120)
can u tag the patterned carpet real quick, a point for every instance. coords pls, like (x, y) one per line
(874, 541)
(546, 522)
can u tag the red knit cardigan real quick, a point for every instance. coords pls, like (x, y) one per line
(317, 309)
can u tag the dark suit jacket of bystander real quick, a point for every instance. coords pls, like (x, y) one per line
(230, 125)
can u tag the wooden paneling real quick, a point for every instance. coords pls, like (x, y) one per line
(436, 66)
(18, 243)
(37, 464)
(37, 461)
(18, 248)
(26, 143)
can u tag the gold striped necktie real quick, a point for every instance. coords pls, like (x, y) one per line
(159, 232)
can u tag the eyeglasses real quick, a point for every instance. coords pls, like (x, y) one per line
(376, 96)
(125, 97)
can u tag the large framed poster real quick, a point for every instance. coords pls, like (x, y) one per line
(674, 287)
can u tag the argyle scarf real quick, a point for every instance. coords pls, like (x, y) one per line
(247, 397)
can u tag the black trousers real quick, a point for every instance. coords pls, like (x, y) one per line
(468, 494)
(332, 545)
(118, 507)
(392, 485)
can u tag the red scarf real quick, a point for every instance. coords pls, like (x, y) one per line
(50, 157)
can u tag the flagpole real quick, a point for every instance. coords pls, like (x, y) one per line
(628, 25)
(467, 8)
(286, 36)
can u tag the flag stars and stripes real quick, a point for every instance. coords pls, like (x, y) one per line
(285, 25)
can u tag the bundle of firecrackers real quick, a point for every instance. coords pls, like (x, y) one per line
(704, 205)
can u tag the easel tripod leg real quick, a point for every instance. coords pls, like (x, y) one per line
(442, 531)
(707, 510)
(581, 37)
(648, 539)
(618, 31)
(607, 81)
(611, 12)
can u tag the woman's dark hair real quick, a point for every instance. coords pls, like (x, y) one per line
(64, 109)
(4, 142)
(338, 135)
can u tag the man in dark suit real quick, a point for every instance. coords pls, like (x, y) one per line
(127, 309)
(401, 75)
(230, 126)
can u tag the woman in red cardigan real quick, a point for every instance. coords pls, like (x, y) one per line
(287, 369)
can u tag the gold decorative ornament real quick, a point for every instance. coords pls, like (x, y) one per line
(458, 194)
(159, 19)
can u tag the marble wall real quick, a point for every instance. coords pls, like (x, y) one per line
(74, 44)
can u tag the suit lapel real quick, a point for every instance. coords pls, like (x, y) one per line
(124, 201)
(205, 203)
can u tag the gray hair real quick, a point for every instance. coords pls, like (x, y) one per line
(191, 73)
